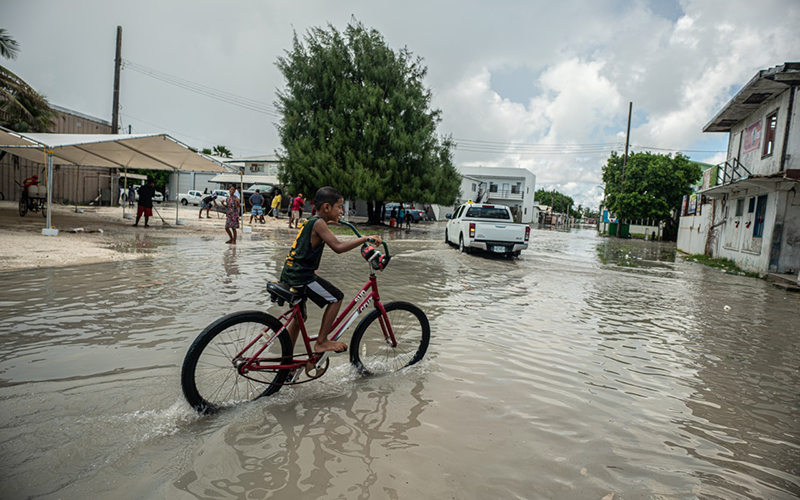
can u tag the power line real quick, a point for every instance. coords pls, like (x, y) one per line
(681, 149)
(220, 95)
(538, 144)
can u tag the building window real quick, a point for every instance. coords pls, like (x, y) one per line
(769, 134)
(515, 188)
(761, 210)
(752, 207)
(492, 187)
(474, 187)
(739, 207)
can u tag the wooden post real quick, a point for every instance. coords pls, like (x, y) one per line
(625, 162)
(117, 67)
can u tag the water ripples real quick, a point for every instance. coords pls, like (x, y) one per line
(586, 367)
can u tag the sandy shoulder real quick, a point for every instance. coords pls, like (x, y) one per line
(106, 236)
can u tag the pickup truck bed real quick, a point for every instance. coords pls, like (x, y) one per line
(490, 228)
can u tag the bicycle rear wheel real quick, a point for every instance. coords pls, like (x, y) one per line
(210, 377)
(372, 352)
(23, 207)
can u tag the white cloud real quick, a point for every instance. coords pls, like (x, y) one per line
(589, 58)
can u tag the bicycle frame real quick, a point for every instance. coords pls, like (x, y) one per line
(368, 294)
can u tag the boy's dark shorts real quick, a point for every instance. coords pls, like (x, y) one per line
(322, 292)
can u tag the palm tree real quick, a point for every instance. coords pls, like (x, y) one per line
(222, 151)
(21, 107)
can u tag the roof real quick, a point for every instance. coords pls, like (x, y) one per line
(249, 179)
(147, 151)
(765, 85)
(79, 114)
(495, 172)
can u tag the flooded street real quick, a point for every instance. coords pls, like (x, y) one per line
(588, 366)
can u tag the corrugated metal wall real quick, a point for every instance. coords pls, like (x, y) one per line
(70, 183)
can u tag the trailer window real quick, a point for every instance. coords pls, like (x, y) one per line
(488, 213)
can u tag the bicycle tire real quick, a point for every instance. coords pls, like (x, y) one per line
(216, 383)
(23, 208)
(372, 354)
(43, 209)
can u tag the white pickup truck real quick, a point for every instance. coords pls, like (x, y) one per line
(192, 197)
(487, 227)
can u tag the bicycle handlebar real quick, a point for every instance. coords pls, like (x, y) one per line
(385, 246)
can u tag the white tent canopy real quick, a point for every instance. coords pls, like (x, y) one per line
(148, 151)
(122, 151)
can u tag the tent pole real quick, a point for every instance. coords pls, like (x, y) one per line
(241, 191)
(49, 231)
(177, 194)
(125, 191)
(77, 181)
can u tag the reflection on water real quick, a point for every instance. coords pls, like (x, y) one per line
(586, 367)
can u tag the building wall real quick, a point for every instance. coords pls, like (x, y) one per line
(789, 258)
(755, 161)
(735, 237)
(693, 230)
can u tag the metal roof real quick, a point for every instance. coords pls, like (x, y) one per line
(767, 84)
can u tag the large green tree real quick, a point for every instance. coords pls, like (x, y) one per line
(356, 115)
(21, 107)
(652, 186)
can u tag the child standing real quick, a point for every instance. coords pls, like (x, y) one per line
(299, 269)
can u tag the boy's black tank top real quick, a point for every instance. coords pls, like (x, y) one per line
(303, 260)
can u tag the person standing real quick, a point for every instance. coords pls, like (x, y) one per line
(393, 217)
(296, 208)
(276, 204)
(257, 203)
(146, 194)
(232, 218)
(401, 216)
(131, 195)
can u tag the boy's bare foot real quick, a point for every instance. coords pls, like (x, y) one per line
(229, 241)
(329, 345)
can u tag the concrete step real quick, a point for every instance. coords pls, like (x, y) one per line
(786, 282)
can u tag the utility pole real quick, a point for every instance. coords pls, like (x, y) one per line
(117, 67)
(625, 162)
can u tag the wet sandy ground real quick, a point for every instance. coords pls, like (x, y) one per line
(587, 367)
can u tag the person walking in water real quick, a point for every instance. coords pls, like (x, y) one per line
(146, 194)
(232, 217)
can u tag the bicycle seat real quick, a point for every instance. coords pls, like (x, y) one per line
(281, 293)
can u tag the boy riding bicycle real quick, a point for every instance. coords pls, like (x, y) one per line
(299, 269)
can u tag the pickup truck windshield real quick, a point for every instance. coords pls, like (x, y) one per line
(488, 213)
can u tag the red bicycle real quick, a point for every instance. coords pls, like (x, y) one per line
(247, 355)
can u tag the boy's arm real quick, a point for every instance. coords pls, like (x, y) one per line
(322, 230)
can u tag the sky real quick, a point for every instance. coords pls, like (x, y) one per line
(540, 85)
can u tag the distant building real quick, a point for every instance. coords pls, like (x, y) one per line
(514, 187)
(748, 207)
(255, 170)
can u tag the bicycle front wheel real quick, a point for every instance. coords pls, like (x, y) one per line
(211, 376)
(23, 207)
(372, 352)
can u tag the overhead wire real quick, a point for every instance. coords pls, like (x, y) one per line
(220, 95)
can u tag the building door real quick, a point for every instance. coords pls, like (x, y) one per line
(506, 188)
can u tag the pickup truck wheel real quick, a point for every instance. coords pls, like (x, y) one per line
(461, 247)
(184, 202)
(446, 238)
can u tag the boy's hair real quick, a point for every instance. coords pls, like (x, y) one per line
(325, 195)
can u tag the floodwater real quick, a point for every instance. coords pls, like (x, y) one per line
(589, 366)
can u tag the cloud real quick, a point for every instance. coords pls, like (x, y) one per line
(578, 64)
